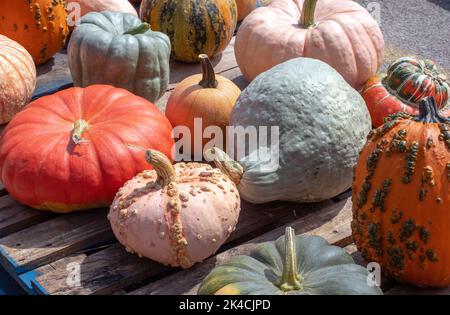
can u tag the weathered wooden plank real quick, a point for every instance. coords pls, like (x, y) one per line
(53, 239)
(15, 216)
(332, 223)
(99, 272)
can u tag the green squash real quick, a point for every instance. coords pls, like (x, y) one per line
(272, 269)
(323, 124)
(118, 49)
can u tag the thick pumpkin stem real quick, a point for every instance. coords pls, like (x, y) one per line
(290, 279)
(140, 29)
(308, 10)
(429, 112)
(79, 127)
(162, 165)
(226, 164)
(209, 76)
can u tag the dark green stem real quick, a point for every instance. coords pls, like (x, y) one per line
(307, 18)
(429, 112)
(140, 29)
(209, 76)
(290, 279)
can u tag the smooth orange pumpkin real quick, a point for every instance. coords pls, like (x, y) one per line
(177, 215)
(245, 7)
(401, 197)
(38, 25)
(73, 150)
(206, 96)
(340, 33)
(17, 78)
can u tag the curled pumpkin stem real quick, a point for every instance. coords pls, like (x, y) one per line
(290, 280)
(79, 127)
(226, 164)
(162, 165)
(209, 76)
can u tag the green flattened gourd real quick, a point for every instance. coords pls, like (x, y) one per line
(297, 265)
(323, 124)
(118, 49)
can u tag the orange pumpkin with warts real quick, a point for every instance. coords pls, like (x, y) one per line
(401, 197)
(206, 96)
(38, 25)
(176, 215)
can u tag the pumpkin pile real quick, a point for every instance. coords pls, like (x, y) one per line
(306, 134)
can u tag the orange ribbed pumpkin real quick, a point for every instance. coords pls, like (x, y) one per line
(17, 78)
(38, 25)
(401, 197)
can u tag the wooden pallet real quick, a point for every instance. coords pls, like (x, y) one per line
(40, 250)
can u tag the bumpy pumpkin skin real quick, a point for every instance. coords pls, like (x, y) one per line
(206, 96)
(50, 159)
(176, 222)
(407, 81)
(323, 124)
(87, 6)
(401, 199)
(344, 35)
(38, 25)
(321, 270)
(18, 78)
(100, 53)
(194, 26)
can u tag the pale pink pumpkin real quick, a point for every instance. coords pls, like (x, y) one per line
(87, 6)
(341, 33)
(176, 215)
(17, 78)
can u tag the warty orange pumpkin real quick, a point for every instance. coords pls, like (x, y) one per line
(401, 197)
(38, 25)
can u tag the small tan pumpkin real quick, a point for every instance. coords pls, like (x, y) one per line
(17, 78)
(176, 215)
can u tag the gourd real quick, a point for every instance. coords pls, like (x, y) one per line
(194, 26)
(87, 6)
(207, 97)
(401, 197)
(340, 33)
(118, 49)
(73, 150)
(322, 125)
(292, 265)
(40, 26)
(408, 80)
(176, 215)
(17, 78)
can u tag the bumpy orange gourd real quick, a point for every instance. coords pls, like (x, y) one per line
(401, 197)
(206, 96)
(341, 33)
(38, 25)
(17, 78)
(176, 215)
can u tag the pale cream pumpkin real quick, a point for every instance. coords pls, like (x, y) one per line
(17, 78)
(340, 33)
(176, 215)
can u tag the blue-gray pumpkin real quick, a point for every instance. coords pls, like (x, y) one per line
(293, 265)
(118, 49)
(323, 124)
